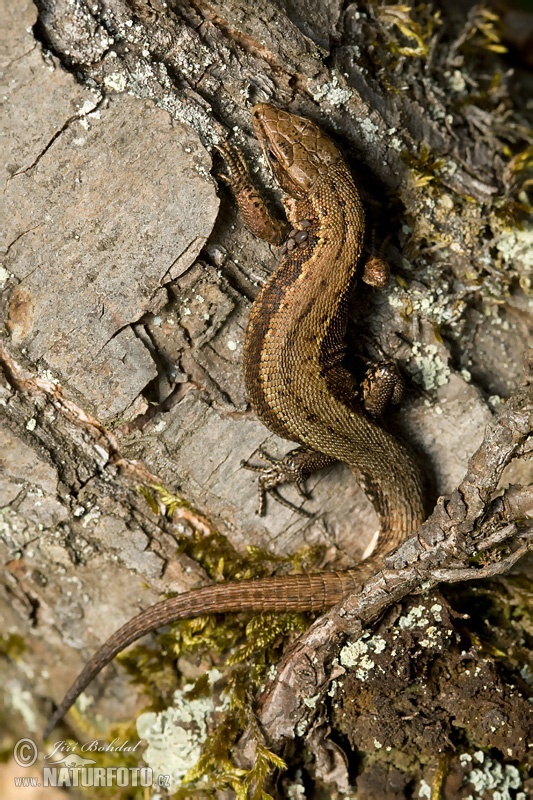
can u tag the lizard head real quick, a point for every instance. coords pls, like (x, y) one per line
(298, 152)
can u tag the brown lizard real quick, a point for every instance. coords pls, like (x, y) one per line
(294, 376)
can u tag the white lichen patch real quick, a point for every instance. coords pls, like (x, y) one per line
(368, 128)
(311, 702)
(394, 141)
(416, 617)
(16, 531)
(431, 638)
(115, 82)
(22, 701)
(366, 665)
(516, 245)
(495, 402)
(424, 618)
(456, 81)
(89, 106)
(430, 369)
(92, 518)
(499, 779)
(424, 790)
(296, 790)
(357, 655)
(331, 92)
(175, 736)
(48, 376)
(397, 298)
(351, 653)
(437, 304)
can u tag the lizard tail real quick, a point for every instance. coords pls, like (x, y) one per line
(280, 593)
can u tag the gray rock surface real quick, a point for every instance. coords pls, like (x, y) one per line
(104, 205)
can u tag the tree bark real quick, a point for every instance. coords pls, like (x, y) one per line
(127, 279)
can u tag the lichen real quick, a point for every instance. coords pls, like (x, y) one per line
(331, 92)
(356, 655)
(424, 790)
(22, 700)
(429, 368)
(175, 735)
(493, 777)
(515, 249)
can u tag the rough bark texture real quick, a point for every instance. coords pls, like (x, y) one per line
(127, 279)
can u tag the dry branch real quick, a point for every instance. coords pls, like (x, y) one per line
(461, 527)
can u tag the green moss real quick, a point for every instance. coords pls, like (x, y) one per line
(261, 638)
(245, 647)
(482, 33)
(425, 166)
(519, 173)
(414, 34)
(209, 548)
(12, 646)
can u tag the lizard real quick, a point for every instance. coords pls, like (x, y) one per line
(294, 375)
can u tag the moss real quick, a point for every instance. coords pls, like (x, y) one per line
(243, 647)
(482, 33)
(12, 646)
(425, 167)
(209, 548)
(415, 34)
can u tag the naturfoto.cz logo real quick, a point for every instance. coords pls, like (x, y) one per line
(64, 767)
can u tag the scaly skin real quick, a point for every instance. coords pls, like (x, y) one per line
(294, 375)
(295, 339)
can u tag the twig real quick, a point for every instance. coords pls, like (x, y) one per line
(461, 526)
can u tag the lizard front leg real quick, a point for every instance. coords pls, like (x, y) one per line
(252, 206)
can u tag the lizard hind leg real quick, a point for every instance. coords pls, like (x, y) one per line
(293, 468)
(382, 384)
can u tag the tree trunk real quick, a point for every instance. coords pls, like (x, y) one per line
(128, 277)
